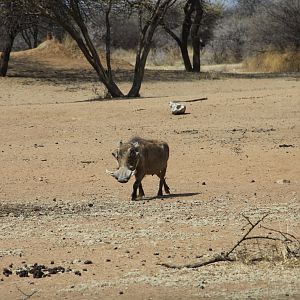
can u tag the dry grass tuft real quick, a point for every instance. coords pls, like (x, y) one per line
(273, 61)
(71, 46)
(164, 57)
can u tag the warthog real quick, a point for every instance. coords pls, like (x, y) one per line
(141, 157)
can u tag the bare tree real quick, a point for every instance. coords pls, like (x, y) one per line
(254, 26)
(73, 16)
(197, 26)
(277, 24)
(30, 36)
(13, 19)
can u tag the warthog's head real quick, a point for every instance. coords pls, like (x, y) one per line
(127, 156)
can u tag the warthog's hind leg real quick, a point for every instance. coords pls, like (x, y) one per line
(162, 183)
(141, 191)
(166, 187)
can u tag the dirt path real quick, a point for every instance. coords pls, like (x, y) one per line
(227, 154)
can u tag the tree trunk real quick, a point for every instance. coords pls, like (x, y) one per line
(195, 36)
(139, 71)
(5, 56)
(35, 35)
(185, 32)
(146, 35)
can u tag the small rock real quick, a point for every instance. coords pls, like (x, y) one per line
(38, 273)
(283, 181)
(156, 253)
(77, 273)
(121, 293)
(6, 272)
(88, 262)
(22, 273)
(203, 183)
(108, 260)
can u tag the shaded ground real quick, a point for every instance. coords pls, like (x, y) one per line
(227, 155)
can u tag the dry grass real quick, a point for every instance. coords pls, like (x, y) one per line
(125, 55)
(164, 57)
(71, 46)
(157, 57)
(273, 61)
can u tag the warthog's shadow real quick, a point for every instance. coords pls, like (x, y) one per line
(170, 196)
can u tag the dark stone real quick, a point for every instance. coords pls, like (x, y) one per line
(22, 273)
(38, 273)
(6, 272)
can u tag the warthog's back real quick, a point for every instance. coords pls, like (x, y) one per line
(153, 155)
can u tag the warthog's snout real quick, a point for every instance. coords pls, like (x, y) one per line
(122, 175)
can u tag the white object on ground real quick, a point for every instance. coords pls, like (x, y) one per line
(177, 109)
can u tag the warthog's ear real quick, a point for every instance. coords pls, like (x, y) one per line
(135, 145)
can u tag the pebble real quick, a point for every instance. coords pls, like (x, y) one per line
(88, 262)
(283, 181)
(6, 272)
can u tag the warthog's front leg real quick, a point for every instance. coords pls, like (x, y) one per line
(137, 185)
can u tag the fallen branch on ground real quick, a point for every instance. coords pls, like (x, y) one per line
(226, 257)
(195, 100)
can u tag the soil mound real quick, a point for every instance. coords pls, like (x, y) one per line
(55, 54)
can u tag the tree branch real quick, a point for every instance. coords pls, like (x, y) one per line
(226, 257)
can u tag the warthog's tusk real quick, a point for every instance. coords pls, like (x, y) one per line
(109, 173)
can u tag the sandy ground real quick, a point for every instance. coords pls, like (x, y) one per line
(227, 154)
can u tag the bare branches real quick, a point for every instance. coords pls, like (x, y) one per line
(25, 296)
(226, 257)
(108, 39)
(243, 238)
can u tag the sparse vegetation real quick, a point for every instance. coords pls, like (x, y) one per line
(274, 61)
(252, 28)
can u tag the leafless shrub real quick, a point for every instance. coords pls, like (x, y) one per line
(255, 26)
